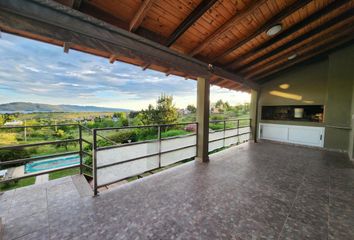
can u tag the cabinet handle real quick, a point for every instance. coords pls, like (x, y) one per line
(321, 137)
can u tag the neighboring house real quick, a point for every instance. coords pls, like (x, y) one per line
(183, 111)
(14, 123)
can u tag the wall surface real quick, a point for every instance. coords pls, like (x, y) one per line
(329, 82)
(351, 137)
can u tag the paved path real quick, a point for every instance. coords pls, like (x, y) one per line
(42, 179)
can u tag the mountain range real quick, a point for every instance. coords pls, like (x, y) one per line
(39, 107)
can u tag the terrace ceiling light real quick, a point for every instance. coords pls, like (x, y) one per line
(274, 29)
(291, 57)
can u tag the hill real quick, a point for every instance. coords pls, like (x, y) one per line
(27, 107)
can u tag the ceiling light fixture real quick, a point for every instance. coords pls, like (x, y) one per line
(274, 29)
(291, 57)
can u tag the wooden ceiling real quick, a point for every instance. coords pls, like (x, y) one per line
(230, 34)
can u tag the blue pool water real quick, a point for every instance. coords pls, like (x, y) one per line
(52, 163)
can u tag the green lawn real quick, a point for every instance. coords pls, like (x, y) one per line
(17, 184)
(64, 173)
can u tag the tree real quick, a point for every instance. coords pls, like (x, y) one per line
(2, 120)
(191, 108)
(165, 112)
(219, 104)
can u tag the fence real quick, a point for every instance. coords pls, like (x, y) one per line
(120, 161)
(113, 162)
(4, 163)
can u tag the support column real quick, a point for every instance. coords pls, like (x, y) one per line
(203, 103)
(254, 114)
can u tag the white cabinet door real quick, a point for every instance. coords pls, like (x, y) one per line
(310, 136)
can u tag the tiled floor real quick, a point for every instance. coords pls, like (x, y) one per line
(253, 191)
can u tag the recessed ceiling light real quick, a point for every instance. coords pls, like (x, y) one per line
(284, 86)
(274, 29)
(291, 57)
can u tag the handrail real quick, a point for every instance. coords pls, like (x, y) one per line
(39, 126)
(38, 144)
(23, 160)
(143, 126)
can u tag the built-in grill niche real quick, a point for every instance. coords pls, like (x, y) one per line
(308, 113)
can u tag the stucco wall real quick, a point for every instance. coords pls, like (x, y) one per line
(328, 82)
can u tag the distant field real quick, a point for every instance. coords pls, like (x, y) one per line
(58, 116)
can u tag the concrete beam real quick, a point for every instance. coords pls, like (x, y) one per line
(203, 103)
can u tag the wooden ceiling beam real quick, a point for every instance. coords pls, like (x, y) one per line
(320, 50)
(190, 20)
(342, 17)
(226, 26)
(278, 18)
(228, 84)
(293, 29)
(336, 33)
(52, 22)
(140, 14)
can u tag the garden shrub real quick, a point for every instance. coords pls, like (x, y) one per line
(124, 136)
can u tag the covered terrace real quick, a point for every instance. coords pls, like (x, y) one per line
(295, 57)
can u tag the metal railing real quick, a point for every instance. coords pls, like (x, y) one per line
(159, 140)
(98, 134)
(80, 152)
(244, 123)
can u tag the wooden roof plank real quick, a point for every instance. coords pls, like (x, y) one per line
(346, 15)
(320, 40)
(274, 20)
(139, 16)
(190, 20)
(323, 49)
(225, 27)
(324, 11)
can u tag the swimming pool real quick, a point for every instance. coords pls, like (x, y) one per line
(52, 163)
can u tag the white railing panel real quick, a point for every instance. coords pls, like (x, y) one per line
(244, 137)
(231, 141)
(244, 130)
(230, 132)
(178, 155)
(216, 145)
(216, 135)
(173, 143)
(124, 170)
(123, 153)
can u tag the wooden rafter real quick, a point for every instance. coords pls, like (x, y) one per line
(146, 66)
(320, 50)
(140, 14)
(293, 29)
(229, 24)
(190, 20)
(337, 33)
(346, 15)
(274, 20)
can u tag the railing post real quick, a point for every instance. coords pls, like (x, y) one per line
(224, 133)
(159, 139)
(196, 139)
(238, 131)
(94, 162)
(81, 149)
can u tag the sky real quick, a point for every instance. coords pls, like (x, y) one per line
(32, 71)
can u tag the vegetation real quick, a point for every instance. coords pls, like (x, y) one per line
(165, 112)
(64, 173)
(17, 184)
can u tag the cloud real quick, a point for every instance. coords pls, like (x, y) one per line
(34, 71)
